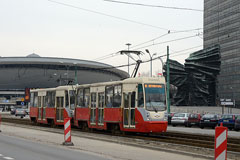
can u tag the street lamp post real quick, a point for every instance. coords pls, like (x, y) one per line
(151, 56)
(162, 63)
(128, 44)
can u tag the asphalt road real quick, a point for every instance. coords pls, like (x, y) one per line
(17, 149)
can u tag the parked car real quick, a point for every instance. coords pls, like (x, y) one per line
(20, 112)
(27, 110)
(180, 119)
(209, 120)
(237, 123)
(228, 120)
(169, 117)
(13, 110)
(193, 119)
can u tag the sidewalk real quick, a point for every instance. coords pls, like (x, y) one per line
(106, 149)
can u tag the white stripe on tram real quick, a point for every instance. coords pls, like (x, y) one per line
(221, 138)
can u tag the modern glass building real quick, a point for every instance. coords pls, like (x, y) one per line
(222, 26)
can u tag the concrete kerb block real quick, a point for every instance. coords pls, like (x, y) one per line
(67, 144)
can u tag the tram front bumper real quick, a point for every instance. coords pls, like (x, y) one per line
(156, 126)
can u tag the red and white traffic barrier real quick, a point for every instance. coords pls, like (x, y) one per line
(221, 134)
(0, 122)
(67, 132)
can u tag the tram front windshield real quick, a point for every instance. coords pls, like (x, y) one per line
(155, 97)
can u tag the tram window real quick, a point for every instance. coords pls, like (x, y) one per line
(101, 100)
(133, 98)
(86, 97)
(140, 96)
(59, 102)
(93, 100)
(80, 98)
(39, 101)
(50, 98)
(44, 101)
(66, 100)
(117, 96)
(72, 99)
(35, 100)
(32, 99)
(109, 96)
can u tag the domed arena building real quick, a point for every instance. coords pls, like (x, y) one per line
(21, 73)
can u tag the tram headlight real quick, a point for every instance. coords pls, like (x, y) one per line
(148, 116)
(165, 116)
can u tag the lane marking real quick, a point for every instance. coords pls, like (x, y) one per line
(8, 158)
(1, 155)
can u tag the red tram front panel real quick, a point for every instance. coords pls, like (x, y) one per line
(33, 112)
(144, 126)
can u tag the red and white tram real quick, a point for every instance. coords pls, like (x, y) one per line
(52, 105)
(131, 105)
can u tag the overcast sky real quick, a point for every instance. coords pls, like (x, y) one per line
(89, 29)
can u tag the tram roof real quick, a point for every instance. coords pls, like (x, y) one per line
(126, 81)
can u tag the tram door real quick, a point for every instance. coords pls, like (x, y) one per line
(59, 105)
(41, 106)
(93, 107)
(129, 110)
(100, 107)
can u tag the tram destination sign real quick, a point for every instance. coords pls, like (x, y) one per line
(227, 102)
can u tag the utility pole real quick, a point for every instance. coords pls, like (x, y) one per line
(76, 82)
(128, 44)
(168, 82)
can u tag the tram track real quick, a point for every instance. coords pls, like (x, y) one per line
(165, 141)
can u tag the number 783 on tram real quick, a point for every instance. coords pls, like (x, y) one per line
(131, 105)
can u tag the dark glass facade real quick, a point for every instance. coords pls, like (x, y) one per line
(222, 26)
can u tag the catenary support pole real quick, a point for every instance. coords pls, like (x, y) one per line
(168, 82)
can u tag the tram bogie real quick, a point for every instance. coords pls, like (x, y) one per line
(131, 105)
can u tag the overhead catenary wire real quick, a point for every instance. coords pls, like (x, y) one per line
(107, 15)
(183, 50)
(104, 14)
(115, 54)
(153, 59)
(120, 18)
(156, 6)
(174, 40)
